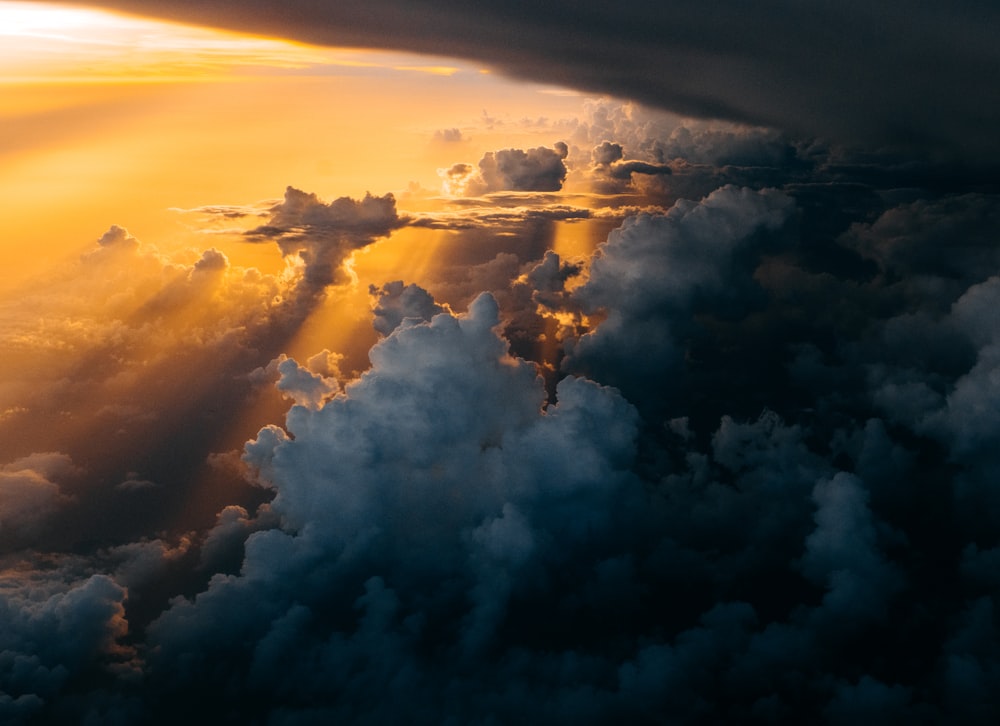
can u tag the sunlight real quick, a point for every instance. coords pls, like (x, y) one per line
(56, 43)
(39, 20)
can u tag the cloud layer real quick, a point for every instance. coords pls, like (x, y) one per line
(736, 465)
(914, 77)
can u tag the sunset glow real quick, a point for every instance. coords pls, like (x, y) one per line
(45, 43)
(107, 113)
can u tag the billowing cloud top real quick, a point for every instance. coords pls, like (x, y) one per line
(918, 76)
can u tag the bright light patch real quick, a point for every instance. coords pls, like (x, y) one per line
(54, 43)
(50, 21)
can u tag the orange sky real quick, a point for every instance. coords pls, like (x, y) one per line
(109, 119)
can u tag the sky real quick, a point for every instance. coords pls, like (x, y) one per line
(442, 363)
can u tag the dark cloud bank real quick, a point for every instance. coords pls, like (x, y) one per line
(911, 75)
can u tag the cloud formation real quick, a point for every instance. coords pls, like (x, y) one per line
(510, 170)
(391, 524)
(918, 78)
(323, 235)
(30, 494)
(655, 270)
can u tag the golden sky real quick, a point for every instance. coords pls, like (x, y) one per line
(113, 119)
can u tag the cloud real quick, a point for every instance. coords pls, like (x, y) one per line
(520, 492)
(535, 170)
(613, 174)
(105, 360)
(323, 235)
(449, 136)
(607, 153)
(135, 483)
(396, 304)
(842, 552)
(656, 270)
(883, 77)
(118, 236)
(30, 494)
(625, 169)
(55, 631)
(500, 218)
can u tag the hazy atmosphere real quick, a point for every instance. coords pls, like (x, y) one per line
(446, 363)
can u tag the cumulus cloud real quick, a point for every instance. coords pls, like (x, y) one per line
(55, 631)
(30, 493)
(607, 153)
(117, 236)
(397, 303)
(323, 235)
(81, 352)
(842, 552)
(613, 174)
(533, 170)
(656, 269)
(520, 491)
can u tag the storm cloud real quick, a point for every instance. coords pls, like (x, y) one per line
(914, 77)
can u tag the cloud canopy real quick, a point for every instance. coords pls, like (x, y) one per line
(918, 77)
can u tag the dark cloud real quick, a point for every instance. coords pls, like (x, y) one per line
(487, 517)
(912, 77)
(30, 494)
(607, 153)
(323, 235)
(490, 217)
(55, 630)
(517, 170)
(655, 270)
(614, 174)
(625, 169)
(397, 303)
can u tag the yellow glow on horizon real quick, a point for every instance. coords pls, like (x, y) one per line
(51, 43)
(47, 20)
(432, 70)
